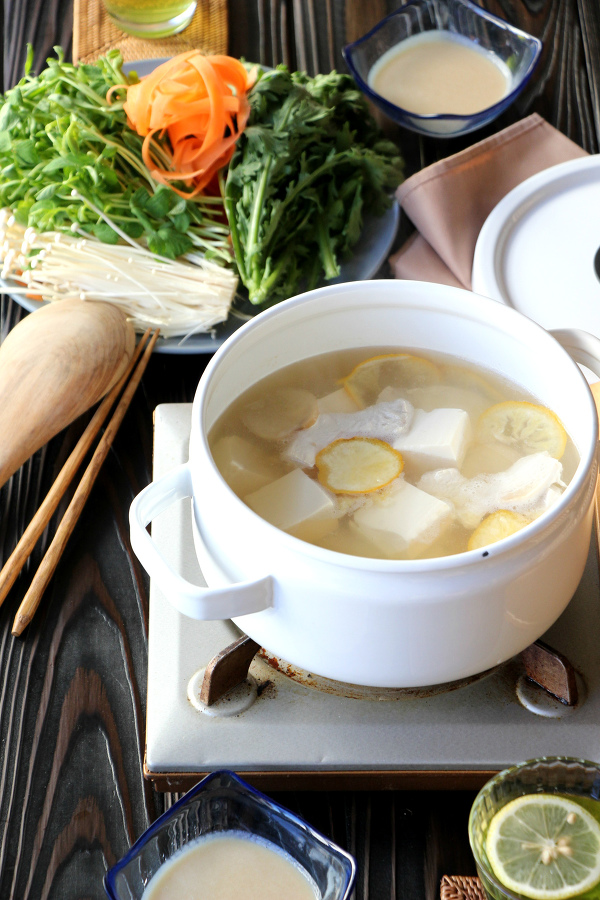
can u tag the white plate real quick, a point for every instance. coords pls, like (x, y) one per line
(368, 256)
(539, 249)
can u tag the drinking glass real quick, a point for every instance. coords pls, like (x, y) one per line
(151, 18)
(548, 775)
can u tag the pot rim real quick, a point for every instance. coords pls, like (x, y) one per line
(520, 541)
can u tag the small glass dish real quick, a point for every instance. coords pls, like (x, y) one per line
(223, 802)
(548, 775)
(518, 51)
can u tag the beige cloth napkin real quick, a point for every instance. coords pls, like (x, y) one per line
(449, 201)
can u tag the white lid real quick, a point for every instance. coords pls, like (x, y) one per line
(539, 249)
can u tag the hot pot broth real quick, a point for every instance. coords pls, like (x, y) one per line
(392, 454)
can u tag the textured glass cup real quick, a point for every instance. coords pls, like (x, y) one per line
(518, 51)
(151, 18)
(223, 802)
(548, 775)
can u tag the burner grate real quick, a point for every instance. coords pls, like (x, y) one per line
(542, 665)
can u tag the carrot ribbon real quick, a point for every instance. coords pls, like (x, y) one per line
(200, 103)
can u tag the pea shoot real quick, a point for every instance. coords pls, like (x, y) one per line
(70, 162)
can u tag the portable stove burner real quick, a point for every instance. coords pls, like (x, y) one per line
(292, 735)
(361, 691)
(543, 667)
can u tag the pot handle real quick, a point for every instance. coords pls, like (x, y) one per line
(581, 346)
(190, 599)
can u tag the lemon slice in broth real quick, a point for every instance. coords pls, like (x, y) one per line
(497, 525)
(358, 465)
(529, 427)
(398, 371)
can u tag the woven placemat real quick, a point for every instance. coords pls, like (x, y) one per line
(94, 33)
(461, 887)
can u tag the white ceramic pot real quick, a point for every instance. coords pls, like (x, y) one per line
(369, 621)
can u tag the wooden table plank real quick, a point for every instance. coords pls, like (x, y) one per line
(72, 690)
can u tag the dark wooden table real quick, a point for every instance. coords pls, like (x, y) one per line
(72, 690)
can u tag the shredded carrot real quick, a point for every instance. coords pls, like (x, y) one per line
(17, 277)
(199, 102)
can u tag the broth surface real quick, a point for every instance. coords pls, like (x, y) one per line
(229, 867)
(300, 448)
(438, 73)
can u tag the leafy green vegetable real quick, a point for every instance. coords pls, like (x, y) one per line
(69, 161)
(309, 164)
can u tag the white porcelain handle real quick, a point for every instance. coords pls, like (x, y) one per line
(190, 599)
(581, 346)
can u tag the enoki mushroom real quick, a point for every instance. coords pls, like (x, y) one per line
(181, 297)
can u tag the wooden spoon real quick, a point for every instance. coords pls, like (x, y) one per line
(55, 364)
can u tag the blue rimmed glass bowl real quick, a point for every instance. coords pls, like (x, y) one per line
(518, 51)
(222, 802)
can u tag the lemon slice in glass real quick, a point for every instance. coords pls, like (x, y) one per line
(358, 465)
(544, 846)
(398, 371)
(529, 427)
(497, 525)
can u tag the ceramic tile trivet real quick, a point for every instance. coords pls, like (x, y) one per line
(300, 737)
(94, 34)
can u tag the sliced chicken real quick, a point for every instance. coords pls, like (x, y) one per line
(529, 486)
(385, 421)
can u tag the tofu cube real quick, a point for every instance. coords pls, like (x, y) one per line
(404, 518)
(292, 501)
(436, 439)
(242, 465)
(339, 401)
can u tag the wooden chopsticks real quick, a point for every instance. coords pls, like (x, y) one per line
(20, 554)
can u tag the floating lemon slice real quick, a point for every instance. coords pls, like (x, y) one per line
(497, 525)
(398, 371)
(529, 427)
(358, 465)
(278, 414)
(544, 846)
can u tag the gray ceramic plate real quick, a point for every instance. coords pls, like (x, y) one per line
(370, 254)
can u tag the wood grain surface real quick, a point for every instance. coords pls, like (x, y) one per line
(72, 690)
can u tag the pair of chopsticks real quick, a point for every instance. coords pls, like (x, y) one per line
(20, 554)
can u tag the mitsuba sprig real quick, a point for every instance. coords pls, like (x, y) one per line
(308, 166)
